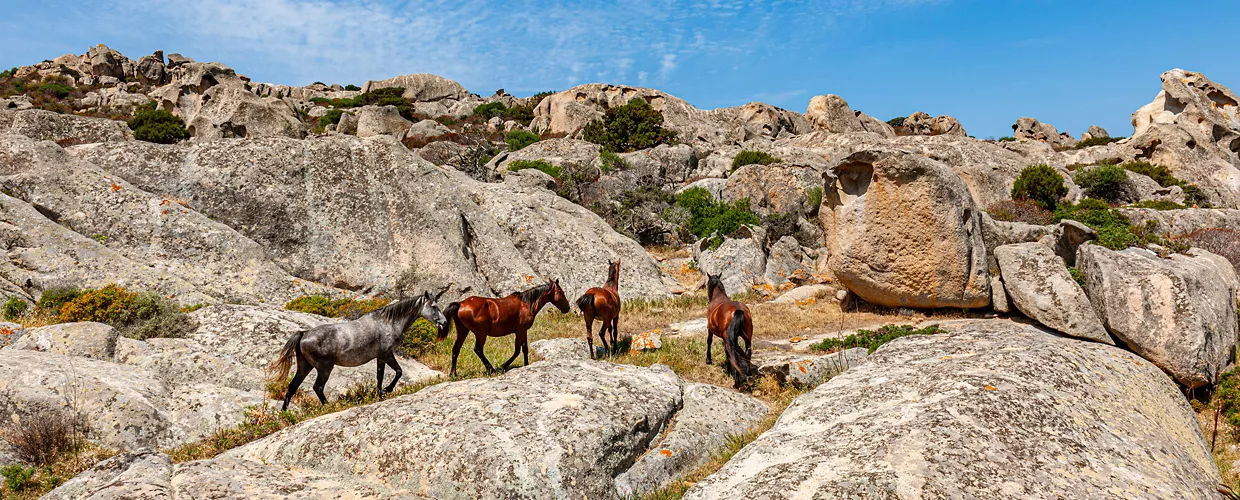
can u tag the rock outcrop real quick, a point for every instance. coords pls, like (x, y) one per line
(830, 113)
(920, 123)
(1040, 287)
(1179, 313)
(904, 232)
(421, 87)
(993, 409)
(66, 129)
(1031, 128)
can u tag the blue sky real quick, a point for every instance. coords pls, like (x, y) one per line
(987, 63)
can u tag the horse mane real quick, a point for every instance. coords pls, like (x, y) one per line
(712, 285)
(400, 309)
(613, 275)
(530, 296)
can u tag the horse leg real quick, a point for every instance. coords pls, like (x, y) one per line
(480, 342)
(379, 385)
(709, 339)
(525, 349)
(590, 335)
(516, 350)
(461, 333)
(615, 328)
(391, 360)
(320, 382)
(303, 369)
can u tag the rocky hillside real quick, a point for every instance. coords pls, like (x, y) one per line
(1110, 263)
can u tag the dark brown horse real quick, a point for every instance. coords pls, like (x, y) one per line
(604, 304)
(488, 317)
(729, 320)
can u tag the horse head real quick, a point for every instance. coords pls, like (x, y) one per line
(555, 295)
(714, 282)
(613, 273)
(430, 309)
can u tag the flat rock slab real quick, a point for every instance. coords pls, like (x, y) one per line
(1040, 286)
(808, 370)
(687, 328)
(85, 339)
(993, 409)
(565, 349)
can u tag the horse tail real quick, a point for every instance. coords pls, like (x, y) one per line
(739, 361)
(449, 313)
(278, 370)
(586, 303)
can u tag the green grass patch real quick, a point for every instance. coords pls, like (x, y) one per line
(873, 339)
(539, 165)
(751, 157)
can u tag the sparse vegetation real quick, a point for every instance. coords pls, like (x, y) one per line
(1219, 241)
(14, 308)
(332, 117)
(1096, 141)
(16, 477)
(751, 157)
(1077, 276)
(1007, 138)
(1163, 176)
(136, 315)
(1113, 228)
(47, 435)
(897, 121)
(1040, 184)
(8, 73)
(813, 198)
(1105, 181)
(642, 214)
(611, 162)
(334, 308)
(1025, 211)
(539, 165)
(1159, 205)
(873, 339)
(519, 139)
(630, 127)
(157, 125)
(519, 114)
(713, 219)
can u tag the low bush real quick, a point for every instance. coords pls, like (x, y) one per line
(540, 165)
(332, 116)
(1041, 184)
(1163, 176)
(813, 198)
(873, 339)
(897, 121)
(54, 298)
(1007, 139)
(110, 304)
(779, 225)
(708, 217)
(352, 87)
(157, 125)
(8, 73)
(1105, 181)
(334, 308)
(611, 162)
(58, 90)
(1113, 228)
(519, 139)
(47, 435)
(519, 114)
(1019, 211)
(1228, 394)
(1095, 141)
(1159, 205)
(630, 127)
(643, 214)
(13, 308)
(750, 157)
(1219, 241)
(153, 316)
(420, 337)
(17, 477)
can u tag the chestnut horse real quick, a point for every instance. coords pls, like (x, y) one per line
(729, 320)
(604, 304)
(488, 317)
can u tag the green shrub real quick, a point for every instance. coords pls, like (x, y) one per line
(111, 304)
(1163, 176)
(630, 127)
(1024, 211)
(419, 337)
(611, 162)
(157, 125)
(332, 116)
(8, 73)
(1159, 205)
(312, 304)
(537, 98)
(813, 198)
(897, 121)
(1040, 184)
(1007, 138)
(872, 339)
(59, 90)
(518, 139)
(54, 298)
(13, 308)
(338, 308)
(352, 87)
(1114, 230)
(749, 157)
(16, 477)
(1228, 393)
(153, 316)
(708, 217)
(540, 165)
(490, 110)
(520, 114)
(1105, 181)
(1096, 141)
(1077, 276)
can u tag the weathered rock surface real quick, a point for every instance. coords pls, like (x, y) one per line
(421, 87)
(993, 409)
(774, 189)
(67, 128)
(904, 232)
(1179, 313)
(1181, 222)
(1031, 128)
(831, 113)
(710, 415)
(87, 339)
(426, 129)
(806, 292)
(226, 111)
(380, 120)
(920, 123)
(574, 349)
(808, 370)
(1040, 287)
(740, 259)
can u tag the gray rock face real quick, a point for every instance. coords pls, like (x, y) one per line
(44, 125)
(1039, 285)
(993, 409)
(773, 189)
(905, 232)
(88, 340)
(561, 349)
(1179, 313)
(709, 416)
(808, 370)
(831, 113)
(421, 87)
(1095, 132)
(787, 262)
(758, 120)
(1031, 128)
(555, 429)
(381, 120)
(1181, 222)
(226, 111)
(806, 292)
(426, 129)
(920, 123)
(875, 126)
(740, 259)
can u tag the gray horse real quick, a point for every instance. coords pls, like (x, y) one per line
(353, 343)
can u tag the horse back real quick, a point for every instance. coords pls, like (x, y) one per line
(719, 315)
(490, 316)
(606, 302)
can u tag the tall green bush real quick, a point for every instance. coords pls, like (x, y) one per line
(519, 139)
(157, 125)
(540, 165)
(1105, 181)
(1040, 184)
(750, 157)
(709, 217)
(630, 127)
(611, 162)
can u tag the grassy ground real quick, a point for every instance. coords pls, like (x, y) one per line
(1226, 445)
(50, 476)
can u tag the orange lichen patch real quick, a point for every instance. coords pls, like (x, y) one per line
(801, 366)
(991, 388)
(529, 278)
(665, 452)
(164, 212)
(115, 187)
(795, 339)
(807, 302)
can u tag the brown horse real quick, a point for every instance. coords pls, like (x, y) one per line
(729, 320)
(488, 317)
(604, 304)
